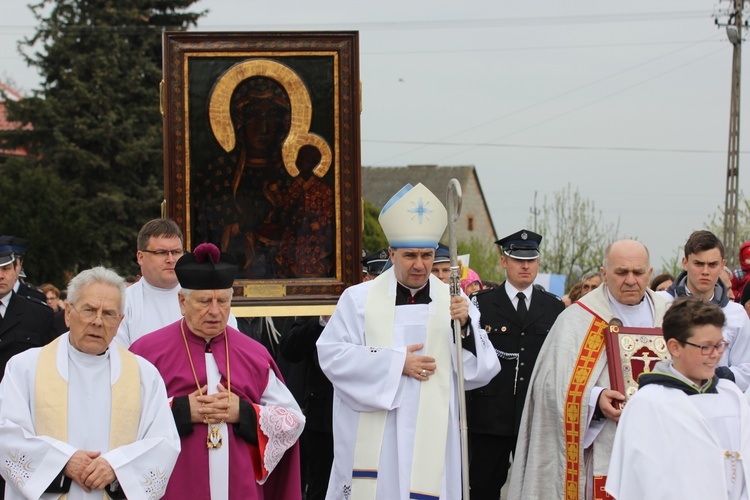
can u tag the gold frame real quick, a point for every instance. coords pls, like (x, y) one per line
(272, 55)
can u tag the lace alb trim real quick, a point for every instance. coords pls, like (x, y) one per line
(283, 428)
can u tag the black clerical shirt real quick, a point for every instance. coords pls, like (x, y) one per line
(404, 297)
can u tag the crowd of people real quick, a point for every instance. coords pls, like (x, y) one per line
(154, 389)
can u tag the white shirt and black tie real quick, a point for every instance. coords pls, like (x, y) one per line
(522, 306)
(4, 306)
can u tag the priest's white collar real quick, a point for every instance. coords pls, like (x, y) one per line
(83, 357)
(413, 291)
(66, 352)
(640, 315)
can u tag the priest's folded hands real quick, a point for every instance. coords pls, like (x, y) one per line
(89, 470)
(98, 474)
(214, 408)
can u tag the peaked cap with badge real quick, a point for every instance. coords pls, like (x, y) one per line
(523, 245)
(375, 262)
(7, 255)
(413, 218)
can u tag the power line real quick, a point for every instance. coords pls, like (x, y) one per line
(512, 22)
(506, 22)
(595, 101)
(550, 99)
(539, 48)
(632, 149)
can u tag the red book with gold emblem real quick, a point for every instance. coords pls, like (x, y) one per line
(630, 352)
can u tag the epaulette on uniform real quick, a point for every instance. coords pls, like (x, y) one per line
(480, 292)
(474, 296)
(32, 292)
(34, 300)
(551, 294)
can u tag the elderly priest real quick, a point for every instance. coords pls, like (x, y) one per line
(389, 353)
(79, 417)
(238, 422)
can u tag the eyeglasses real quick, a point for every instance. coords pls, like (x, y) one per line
(89, 314)
(163, 253)
(706, 350)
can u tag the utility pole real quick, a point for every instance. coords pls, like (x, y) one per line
(735, 24)
(534, 211)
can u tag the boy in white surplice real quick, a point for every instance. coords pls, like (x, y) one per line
(685, 433)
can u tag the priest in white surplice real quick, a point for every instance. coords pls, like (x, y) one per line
(686, 433)
(389, 353)
(153, 302)
(81, 416)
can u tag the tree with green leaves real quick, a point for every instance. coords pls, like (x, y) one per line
(575, 235)
(485, 258)
(42, 205)
(673, 265)
(94, 129)
(373, 237)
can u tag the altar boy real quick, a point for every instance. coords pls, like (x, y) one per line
(685, 433)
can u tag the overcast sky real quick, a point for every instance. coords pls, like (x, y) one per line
(626, 101)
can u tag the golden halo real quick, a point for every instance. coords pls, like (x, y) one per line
(301, 113)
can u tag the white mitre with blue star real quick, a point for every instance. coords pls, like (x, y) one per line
(413, 218)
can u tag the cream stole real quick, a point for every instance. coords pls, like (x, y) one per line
(51, 398)
(431, 432)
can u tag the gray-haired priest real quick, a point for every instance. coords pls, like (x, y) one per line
(238, 422)
(80, 417)
(389, 353)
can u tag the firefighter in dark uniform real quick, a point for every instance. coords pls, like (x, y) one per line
(516, 316)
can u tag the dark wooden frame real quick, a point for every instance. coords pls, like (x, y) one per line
(622, 343)
(187, 56)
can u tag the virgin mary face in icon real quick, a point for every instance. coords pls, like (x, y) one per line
(261, 114)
